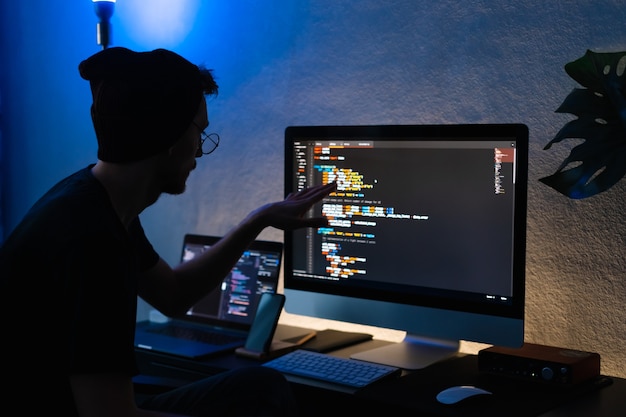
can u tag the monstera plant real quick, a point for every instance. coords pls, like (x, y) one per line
(596, 164)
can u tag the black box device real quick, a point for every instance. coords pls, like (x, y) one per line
(547, 364)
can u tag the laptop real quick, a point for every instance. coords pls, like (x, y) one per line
(219, 322)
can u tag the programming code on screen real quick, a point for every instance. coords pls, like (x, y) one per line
(443, 205)
(235, 298)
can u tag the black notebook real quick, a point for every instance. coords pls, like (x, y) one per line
(219, 322)
(328, 340)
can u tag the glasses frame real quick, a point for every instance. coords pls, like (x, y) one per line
(213, 138)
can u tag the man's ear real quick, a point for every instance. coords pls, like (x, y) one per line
(170, 151)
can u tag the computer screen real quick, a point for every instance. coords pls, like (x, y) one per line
(426, 233)
(236, 299)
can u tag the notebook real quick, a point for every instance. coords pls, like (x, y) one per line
(219, 322)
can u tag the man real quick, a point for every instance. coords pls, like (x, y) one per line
(80, 257)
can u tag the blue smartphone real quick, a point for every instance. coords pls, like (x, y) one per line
(265, 321)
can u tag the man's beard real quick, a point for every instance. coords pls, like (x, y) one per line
(175, 187)
(174, 183)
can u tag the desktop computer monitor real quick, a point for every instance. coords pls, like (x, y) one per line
(426, 233)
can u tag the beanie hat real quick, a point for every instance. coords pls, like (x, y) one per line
(142, 101)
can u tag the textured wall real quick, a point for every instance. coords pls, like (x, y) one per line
(343, 62)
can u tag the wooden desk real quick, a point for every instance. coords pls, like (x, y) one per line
(413, 392)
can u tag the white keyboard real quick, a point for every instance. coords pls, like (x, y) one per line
(349, 372)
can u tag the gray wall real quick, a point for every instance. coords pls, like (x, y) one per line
(283, 63)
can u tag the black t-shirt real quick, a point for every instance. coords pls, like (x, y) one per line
(68, 294)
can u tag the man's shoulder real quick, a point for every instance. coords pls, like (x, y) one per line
(77, 192)
(72, 210)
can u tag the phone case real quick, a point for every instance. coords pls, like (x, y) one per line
(259, 343)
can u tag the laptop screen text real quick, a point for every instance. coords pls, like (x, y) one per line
(237, 297)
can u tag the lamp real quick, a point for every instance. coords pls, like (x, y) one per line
(104, 11)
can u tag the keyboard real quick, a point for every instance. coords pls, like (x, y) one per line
(322, 367)
(196, 335)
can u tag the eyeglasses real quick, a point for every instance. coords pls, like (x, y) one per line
(208, 141)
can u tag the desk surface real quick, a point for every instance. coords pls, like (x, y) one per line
(414, 391)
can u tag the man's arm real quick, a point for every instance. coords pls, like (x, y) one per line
(173, 291)
(106, 395)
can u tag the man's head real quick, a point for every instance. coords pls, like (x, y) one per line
(143, 102)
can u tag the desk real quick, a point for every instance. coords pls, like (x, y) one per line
(413, 392)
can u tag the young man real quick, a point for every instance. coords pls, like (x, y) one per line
(71, 271)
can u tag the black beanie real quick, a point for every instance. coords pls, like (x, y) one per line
(142, 101)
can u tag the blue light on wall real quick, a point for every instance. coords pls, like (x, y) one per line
(104, 10)
(159, 24)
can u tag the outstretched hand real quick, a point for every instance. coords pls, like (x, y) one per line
(289, 213)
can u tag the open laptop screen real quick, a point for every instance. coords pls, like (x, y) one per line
(236, 299)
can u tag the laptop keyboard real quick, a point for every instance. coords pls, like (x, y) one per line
(196, 335)
(344, 371)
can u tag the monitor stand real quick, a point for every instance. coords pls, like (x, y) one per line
(414, 352)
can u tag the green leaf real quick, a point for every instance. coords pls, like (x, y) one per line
(600, 161)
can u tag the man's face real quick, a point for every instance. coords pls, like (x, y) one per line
(180, 159)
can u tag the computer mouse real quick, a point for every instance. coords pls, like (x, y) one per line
(455, 394)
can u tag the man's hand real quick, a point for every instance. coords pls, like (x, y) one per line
(289, 213)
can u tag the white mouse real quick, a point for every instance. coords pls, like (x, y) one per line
(453, 395)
